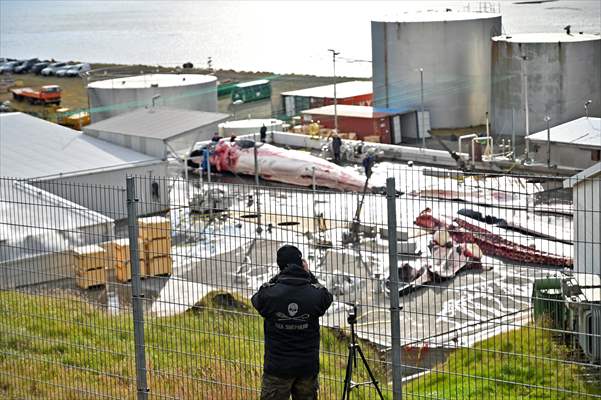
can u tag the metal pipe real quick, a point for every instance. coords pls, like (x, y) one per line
(334, 54)
(257, 202)
(548, 119)
(461, 138)
(137, 304)
(513, 134)
(397, 384)
(421, 79)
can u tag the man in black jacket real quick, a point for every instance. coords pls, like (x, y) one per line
(291, 304)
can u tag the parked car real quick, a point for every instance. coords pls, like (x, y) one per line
(62, 71)
(9, 67)
(5, 107)
(26, 66)
(51, 69)
(78, 69)
(38, 67)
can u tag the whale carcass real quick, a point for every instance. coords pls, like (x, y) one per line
(281, 165)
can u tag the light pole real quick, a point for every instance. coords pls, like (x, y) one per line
(421, 83)
(548, 118)
(525, 83)
(334, 54)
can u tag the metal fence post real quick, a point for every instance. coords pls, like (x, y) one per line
(397, 389)
(137, 305)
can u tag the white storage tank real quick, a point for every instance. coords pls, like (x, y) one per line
(557, 72)
(453, 48)
(182, 91)
(249, 126)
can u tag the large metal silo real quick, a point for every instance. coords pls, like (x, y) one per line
(453, 48)
(112, 97)
(556, 73)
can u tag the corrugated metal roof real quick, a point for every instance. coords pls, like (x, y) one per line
(344, 110)
(157, 123)
(588, 173)
(33, 148)
(252, 83)
(27, 211)
(343, 90)
(580, 132)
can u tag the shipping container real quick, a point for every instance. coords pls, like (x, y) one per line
(251, 91)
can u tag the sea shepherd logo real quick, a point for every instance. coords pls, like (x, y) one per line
(292, 309)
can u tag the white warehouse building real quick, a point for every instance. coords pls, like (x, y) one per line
(67, 163)
(112, 97)
(454, 51)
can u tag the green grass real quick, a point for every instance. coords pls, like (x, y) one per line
(520, 364)
(64, 348)
(67, 349)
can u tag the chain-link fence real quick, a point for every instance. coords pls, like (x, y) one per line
(494, 288)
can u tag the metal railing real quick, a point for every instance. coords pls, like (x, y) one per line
(497, 278)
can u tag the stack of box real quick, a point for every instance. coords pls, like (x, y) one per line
(90, 263)
(118, 255)
(155, 232)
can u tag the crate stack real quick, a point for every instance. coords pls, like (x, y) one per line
(90, 264)
(118, 255)
(155, 233)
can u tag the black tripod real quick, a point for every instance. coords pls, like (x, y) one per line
(354, 348)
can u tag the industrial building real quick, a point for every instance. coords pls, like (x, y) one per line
(390, 125)
(112, 97)
(575, 144)
(37, 230)
(67, 163)
(586, 194)
(358, 93)
(553, 74)
(158, 131)
(452, 50)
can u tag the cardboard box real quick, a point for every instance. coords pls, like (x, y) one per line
(157, 248)
(89, 278)
(118, 251)
(159, 266)
(123, 271)
(89, 257)
(154, 228)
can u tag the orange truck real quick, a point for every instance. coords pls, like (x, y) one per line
(49, 94)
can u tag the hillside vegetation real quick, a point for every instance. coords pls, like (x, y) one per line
(64, 348)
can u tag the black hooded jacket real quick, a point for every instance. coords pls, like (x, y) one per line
(291, 304)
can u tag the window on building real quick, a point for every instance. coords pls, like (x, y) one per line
(596, 155)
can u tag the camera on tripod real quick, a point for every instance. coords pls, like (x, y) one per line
(352, 315)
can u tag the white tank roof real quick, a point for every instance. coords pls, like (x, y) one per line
(438, 16)
(153, 80)
(250, 123)
(554, 37)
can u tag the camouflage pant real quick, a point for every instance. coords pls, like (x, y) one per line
(274, 388)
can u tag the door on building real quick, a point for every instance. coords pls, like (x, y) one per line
(396, 130)
(289, 105)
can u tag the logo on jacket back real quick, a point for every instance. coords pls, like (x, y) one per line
(292, 309)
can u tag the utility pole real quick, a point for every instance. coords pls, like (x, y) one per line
(334, 54)
(548, 118)
(421, 80)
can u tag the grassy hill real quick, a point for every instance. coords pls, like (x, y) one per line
(63, 348)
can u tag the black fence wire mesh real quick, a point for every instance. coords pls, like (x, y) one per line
(499, 285)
